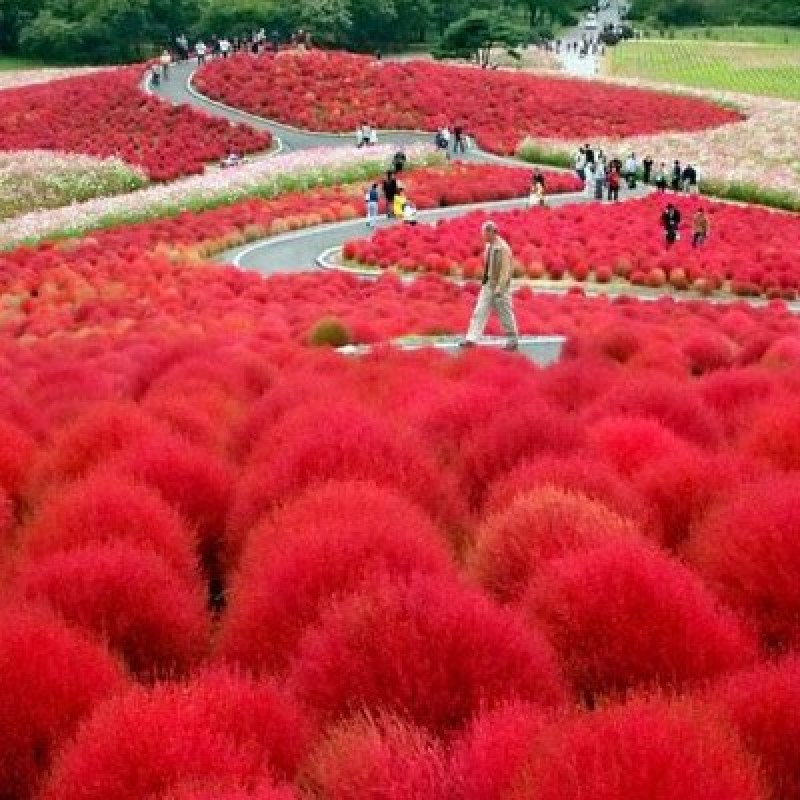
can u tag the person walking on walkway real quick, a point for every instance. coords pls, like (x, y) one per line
(677, 174)
(495, 290)
(371, 198)
(647, 169)
(200, 50)
(701, 227)
(689, 179)
(671, 220)
(613, 183)
(459, 142)
(537, 195)
(389, 192)
(661, 178)
(166, 60)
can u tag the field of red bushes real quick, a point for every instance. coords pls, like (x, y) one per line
(229, 573)
(751, 251)
(340, 91)
(107, 114)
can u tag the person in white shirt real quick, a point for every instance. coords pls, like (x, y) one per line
(200, 50)
(224, 47)
(631, 170)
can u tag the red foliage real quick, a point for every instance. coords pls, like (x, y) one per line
(431, 650)
(191, 480)
(764, 706)
(106, 509)
(106, 113)
(643, 749)
(16, 454)
(582, 242)
(323, 544)
(499, 108)
(50, 678)
(383, 759)
(337, 441)
(487, 757)
(219, 730)
(748, 549)
(540, 525)
(624, 616)
(129, 598)
(771, 433)
(228, 791)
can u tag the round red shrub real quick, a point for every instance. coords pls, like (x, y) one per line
(384, 758)
(104, 509)
(7, 521)
(324, 543)
(708, 351)
(748, 550)
(219, 729)
(93, 438)
(487, 757)
(505, 439)
(644, 749)
(128, 597)
(539, 525)
(764, 706)
(316, 444)
(772, 433)
(626, 615)
(430, 649)
(227, 791)
(50, 678)
(194, 482)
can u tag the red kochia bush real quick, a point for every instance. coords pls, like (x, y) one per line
(50, 678)
(644, 749)
(129, 597)
(385, 759)
(486, 759)
(749, 551)
(764, 705)
(107, 508)
(517, 432)
(324, 543)
(191, 480)
(220, 729)
(772, 433)
(431, 650)
(626, 615)
(16, 452)
(319, 443)
(91, 439)
(227, 791)
(540, 525)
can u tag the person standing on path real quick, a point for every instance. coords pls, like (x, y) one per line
(166, 60)
(661, 178)
(647, 167)
(495, 290)
(200, 50)
(677, 173)
(389, 193)
(613, 183)
(671, 220)
(700, 227)
(371, 198)
(537, 195)
(459, 144)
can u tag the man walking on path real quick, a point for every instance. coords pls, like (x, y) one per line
(671, 220)
(496, 289)
(389, 193)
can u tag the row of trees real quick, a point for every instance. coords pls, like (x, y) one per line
(125, 30)
(718, 12)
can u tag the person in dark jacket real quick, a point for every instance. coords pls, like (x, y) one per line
(689, 179)
(390, 192)
(647, 166)
(677, 172)
(671, 220)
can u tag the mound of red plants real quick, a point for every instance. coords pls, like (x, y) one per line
(751, 252)
(108, 114)
(339, 91)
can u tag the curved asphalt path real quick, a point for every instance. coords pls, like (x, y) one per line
(299, 251)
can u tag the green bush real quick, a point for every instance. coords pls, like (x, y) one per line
(329, 332)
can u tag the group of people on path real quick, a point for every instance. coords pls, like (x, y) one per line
(460, 141)
(671, 222)
(398, 204)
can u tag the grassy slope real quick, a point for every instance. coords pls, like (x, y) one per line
(772, 70)
(738, 33)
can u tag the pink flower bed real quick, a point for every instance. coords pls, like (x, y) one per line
(751, 251)
(107, 114)
(338, 92)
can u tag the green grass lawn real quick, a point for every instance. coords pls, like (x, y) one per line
(9, 63)
(763, 69)
(757, 35)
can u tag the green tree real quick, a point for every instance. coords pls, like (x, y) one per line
(330, 21)
(475, 37)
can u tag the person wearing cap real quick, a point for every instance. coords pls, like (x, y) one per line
(495, 291)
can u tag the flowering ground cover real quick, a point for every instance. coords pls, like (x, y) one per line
(15, 78)
(751, 251)
(35, 180)
(209, 529)
(337, 92)
(107, 114)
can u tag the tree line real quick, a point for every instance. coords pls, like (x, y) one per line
(718, 12)
(114, 31)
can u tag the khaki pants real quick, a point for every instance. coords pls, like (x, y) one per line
(487, 301)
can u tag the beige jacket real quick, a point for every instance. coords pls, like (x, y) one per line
(501, 269)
